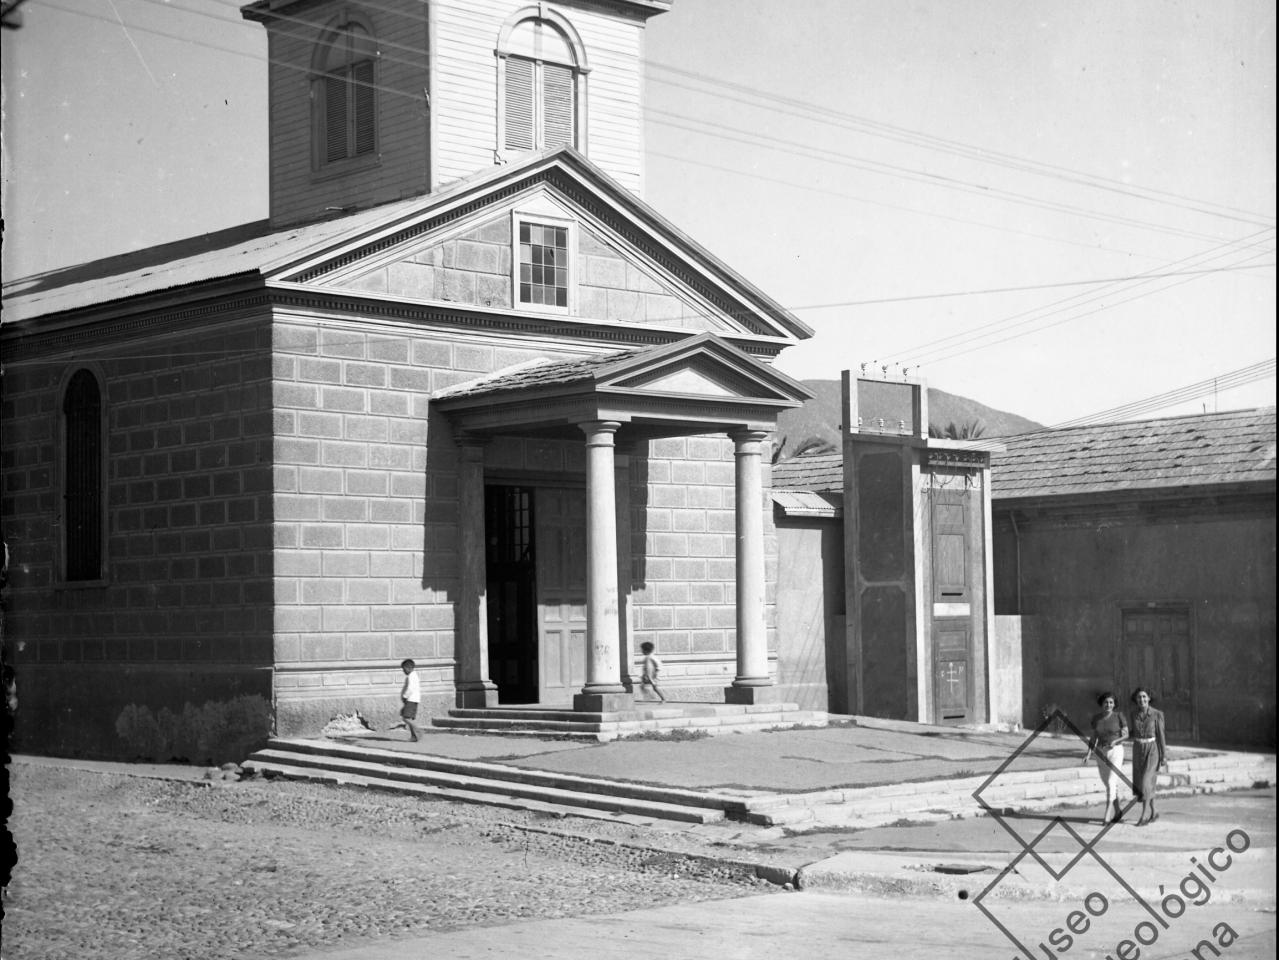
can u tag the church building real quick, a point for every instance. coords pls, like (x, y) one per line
(463, 397)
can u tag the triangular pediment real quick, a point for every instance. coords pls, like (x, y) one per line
(699, 382)
(619, 264)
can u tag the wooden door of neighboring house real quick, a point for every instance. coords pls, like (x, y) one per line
(952, 595)
(1157, 655)
(561, 592)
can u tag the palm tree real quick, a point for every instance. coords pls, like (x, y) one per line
(952, 431)
(810, 447)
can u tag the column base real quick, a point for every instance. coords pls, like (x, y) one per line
(603, 702)
(749, 695)
(476, 695)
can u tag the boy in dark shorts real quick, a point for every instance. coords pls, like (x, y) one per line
(410, 697)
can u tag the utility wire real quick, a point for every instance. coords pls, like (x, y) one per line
(1069, 319)
(418, 96)
(981, 154)
(895, 206)
(1235, 378)
(872, 166)
(737, 135)
(1195, 260)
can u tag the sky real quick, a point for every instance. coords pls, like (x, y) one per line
(938, 187)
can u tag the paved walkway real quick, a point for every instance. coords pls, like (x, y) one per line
(860, 754)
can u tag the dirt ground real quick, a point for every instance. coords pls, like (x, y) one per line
(119, 867)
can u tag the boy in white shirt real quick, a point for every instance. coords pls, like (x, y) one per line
(410, 697)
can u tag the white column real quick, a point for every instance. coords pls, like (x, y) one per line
(604, 690)
(471, 647)
(752, 638)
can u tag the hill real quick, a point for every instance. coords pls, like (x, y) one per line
(821, 416)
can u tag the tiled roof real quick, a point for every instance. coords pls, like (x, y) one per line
(824, 472)
(1191, 451)
(1196, 450)
(536, 373)
(805, 503)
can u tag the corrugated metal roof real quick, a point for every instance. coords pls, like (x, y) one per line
(250, 248)
(824, 472)
(1197, 450)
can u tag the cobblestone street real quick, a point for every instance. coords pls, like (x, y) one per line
(118, 867)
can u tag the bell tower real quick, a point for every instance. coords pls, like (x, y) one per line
(371, 103)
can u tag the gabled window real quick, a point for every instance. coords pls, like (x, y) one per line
(83, 499)
(344, 95)
(541, 79)
(543, 267)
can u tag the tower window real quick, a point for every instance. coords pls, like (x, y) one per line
(345, 95)
(541, 73)
(82, 487)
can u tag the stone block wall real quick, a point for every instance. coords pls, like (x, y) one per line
(366, 506)
(684, 533)
(184, 612)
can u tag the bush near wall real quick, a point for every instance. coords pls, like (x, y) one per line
(220, 731)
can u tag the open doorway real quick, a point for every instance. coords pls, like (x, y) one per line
(511, 576)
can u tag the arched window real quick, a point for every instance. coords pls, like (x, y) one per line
(82, 487)
(344, 94)
(541, 72)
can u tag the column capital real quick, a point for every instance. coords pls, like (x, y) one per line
(744, 440)
(599, 432)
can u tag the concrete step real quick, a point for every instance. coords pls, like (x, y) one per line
(317, 752)
(321, 775)
(477, 789)
(711, 718)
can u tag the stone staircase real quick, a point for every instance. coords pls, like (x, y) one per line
(494, 784)
(706, 718)
(506, 785)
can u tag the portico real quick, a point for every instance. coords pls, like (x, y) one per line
(613, 403)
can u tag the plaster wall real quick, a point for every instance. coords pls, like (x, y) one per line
(1077, 578)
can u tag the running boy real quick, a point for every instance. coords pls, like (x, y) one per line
(652, 667)
(410, 697)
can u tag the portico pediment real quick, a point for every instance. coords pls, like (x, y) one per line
(698, 385)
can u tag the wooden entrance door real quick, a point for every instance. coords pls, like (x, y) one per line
(560, 531)
(1156, 655)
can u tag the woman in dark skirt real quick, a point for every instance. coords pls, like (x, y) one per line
(1149, 752)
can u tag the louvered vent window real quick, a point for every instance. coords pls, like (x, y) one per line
(539, 89)
(347, 95)
(82, 481)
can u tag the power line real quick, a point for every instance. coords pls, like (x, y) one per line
(419, 96)
(1235, 378)
(1218, 252)
(1056, 323)
(737, 135)
(981, 154)
(894, 206)
(1033, 286)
